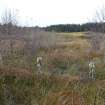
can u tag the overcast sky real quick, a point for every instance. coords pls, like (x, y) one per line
(47, 12)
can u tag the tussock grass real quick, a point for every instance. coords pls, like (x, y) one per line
(59, 83)
(41, 89)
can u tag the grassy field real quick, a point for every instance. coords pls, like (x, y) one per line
(64, 60)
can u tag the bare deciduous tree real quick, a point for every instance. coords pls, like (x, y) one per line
(9, 21)
(96, 39)
(100, 15)
(100, 19)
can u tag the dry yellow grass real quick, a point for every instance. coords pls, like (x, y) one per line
(72, 34)
(72, 40)
(64, 98)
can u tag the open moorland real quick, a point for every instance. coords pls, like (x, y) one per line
(64, 73)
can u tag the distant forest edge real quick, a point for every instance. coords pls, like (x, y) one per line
(97, 27)
(14, 29)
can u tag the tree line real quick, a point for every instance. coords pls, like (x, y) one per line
(97, 27)
(9, 24)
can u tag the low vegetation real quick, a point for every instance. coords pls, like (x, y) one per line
(65, 58)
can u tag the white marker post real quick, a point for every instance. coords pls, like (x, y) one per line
(92, 70)
(39, 63)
